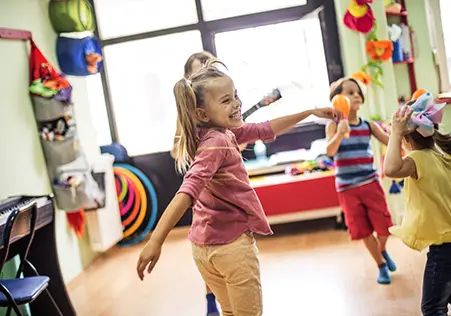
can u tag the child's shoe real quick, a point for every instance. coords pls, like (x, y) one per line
(212, 309)
(390, 263)
(384, 276)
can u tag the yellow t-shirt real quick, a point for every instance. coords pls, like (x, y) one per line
(428, 214)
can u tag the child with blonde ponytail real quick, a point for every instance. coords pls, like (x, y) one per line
(226, 210)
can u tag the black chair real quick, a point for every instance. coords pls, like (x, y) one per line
(21, 223)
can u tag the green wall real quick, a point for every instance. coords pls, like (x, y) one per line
(22, 165)
(395, 80)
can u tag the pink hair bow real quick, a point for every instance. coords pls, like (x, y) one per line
(426, 113)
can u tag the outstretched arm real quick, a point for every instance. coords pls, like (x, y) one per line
(151, 252)
(249, 133)
(209, 158)
(379, 133)
(394, 165)
(333, 137)
(285, 123)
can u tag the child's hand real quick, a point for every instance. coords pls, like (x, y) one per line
(328, 113)
(343, 127)
(150, 254)
(400, 121)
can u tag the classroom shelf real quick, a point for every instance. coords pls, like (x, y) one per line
(402, 13)
(444, 100)
(408, 61)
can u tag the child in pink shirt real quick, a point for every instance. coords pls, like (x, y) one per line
(226, 210)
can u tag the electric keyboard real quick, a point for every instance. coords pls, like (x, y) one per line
(13, 203)
(43, 252)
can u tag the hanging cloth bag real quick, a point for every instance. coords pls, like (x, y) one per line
(69, 16)
(45, 81)
(79, 56)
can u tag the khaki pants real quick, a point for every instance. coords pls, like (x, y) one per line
(232, 272)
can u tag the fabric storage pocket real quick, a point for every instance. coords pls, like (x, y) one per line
(73, 199)
(69, 16)
(46, 109)
(61, 152)
(79, 56)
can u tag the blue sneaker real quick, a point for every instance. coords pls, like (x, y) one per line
(390, 263)
(384, 276)
(212, 309)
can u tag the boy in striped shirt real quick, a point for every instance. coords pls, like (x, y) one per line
(359, 191)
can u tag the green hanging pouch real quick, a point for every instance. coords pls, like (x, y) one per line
(69, 16)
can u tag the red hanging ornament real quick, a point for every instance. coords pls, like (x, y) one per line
(359, 17)
(77, 220)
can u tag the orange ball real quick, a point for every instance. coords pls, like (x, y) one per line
(418, 94)
(342, 103)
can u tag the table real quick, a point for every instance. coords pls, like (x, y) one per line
(286, 198)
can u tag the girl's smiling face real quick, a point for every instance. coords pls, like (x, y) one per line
(222, 105)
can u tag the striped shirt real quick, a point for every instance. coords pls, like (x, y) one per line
(354, 160)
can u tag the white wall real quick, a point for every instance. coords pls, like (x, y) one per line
(22, 166)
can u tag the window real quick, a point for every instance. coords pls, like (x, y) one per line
(98, 110)
(445, 10)
(296, 65)
(266, 44)
(217, 9)
(142, 75)
(127, 17)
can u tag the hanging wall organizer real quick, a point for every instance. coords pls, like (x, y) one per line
(74, 186)
(77, 49)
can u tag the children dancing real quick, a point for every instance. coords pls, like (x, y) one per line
(427, 169)
(360, 193)
(226, 210)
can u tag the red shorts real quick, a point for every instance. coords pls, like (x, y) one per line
(366, 210)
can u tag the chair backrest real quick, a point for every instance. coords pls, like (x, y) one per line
(21, 222)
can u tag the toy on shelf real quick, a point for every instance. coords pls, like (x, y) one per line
(343, 104)
(392, 7)
(320, 164)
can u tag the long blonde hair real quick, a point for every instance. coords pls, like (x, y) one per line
(202, 57)
(190, 94)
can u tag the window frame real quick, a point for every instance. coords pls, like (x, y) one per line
(208, 29)
(436, 32)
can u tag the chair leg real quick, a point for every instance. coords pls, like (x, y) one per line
(53, 302)
(31, 266)
(11, 300)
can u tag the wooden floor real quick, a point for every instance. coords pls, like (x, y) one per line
(305, 271)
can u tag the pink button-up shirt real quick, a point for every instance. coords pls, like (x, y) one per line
(225, 205)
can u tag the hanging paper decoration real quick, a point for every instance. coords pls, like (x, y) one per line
(379, 50)
(363, 77)
(77, 220)
(359, 16)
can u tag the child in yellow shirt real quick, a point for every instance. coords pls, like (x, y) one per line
(427, 222)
